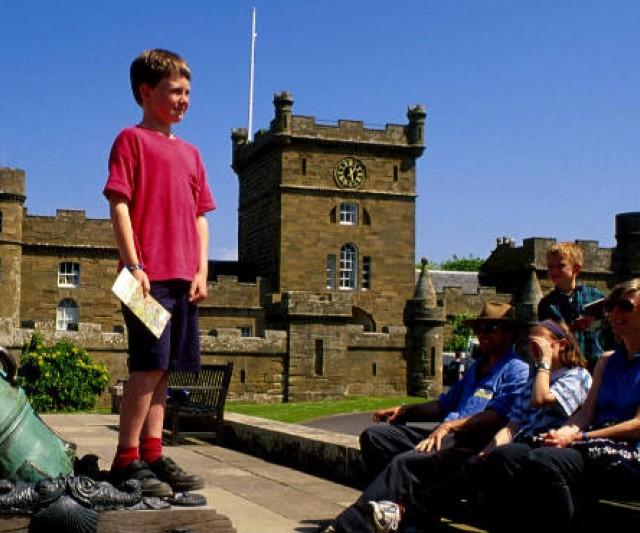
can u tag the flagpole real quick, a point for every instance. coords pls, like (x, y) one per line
(252, 64)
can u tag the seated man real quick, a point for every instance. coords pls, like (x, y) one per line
(402, 457)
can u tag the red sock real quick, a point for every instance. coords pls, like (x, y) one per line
(150, 449)
(125, 455)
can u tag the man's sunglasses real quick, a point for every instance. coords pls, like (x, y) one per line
(622, 305)
(489, 327)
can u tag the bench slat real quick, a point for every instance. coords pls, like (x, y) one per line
(207, 393)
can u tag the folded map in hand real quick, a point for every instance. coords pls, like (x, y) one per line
(148, 310)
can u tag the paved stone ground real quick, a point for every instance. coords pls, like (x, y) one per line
(257, 496)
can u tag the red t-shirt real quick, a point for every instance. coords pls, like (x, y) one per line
(165, 183)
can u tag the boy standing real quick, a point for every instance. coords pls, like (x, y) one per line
(565, 303)
(158, 196)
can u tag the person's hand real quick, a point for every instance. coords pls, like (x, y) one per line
(142, 278)
(434, 441)
(560, 438)
(582, 323)
(541, 349)
(198, 289)
(390, 414)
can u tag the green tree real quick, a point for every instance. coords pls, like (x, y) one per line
(459, 264)
(461, 332)
(463, 264)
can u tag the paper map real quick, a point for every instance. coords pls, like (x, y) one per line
(152, 314)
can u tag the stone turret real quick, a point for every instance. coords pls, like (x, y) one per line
(626, 256)
(417, 115)
(526, 304)
(12, 198)
(425, 328)
(283, 102)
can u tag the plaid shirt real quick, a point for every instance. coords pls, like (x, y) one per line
(561, 307)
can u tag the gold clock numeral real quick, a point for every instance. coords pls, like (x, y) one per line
(349, 172)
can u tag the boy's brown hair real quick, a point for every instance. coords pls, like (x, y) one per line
(569, 250)
(151, 66)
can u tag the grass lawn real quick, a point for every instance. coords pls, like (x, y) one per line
(296, 412)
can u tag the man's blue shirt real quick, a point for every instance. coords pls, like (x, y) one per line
(496, 390)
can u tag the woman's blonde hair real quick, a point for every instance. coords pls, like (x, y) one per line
(632, 285)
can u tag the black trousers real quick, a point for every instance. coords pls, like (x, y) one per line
(381, 443)
(412, 479)
(530, 489)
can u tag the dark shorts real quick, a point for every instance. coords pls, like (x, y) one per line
(178, 348)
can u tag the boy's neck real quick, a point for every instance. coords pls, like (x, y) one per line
(164, 129)
(568, 287)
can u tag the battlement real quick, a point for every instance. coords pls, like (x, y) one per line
(309, 129)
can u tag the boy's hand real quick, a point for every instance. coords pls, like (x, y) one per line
(198, 289)
(143, 280)
(581, 323)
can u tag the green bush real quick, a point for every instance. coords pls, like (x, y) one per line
(61, 377)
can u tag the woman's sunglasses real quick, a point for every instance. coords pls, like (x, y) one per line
(622, 305)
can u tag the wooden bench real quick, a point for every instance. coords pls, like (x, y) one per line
(195, 406)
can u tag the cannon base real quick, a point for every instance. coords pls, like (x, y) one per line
(195, 520)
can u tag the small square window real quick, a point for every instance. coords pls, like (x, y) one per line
(69, 274)
(246, 331)
(348, 214)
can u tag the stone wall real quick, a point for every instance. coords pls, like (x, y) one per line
(260, 363)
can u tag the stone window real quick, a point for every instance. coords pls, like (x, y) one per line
(319, 358)
(68, 274)
(348, 214)
(395, 173)
(1, 216)
(67, 315)
(331, 271)
(246, 331)
(366, 273)
(348, 266)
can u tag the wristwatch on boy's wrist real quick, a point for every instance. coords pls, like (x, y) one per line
(131, 268)
(542, 366)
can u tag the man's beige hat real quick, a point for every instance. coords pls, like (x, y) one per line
(495, 312)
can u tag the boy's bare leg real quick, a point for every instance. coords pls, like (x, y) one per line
(140, 409)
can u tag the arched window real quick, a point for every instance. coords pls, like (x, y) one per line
(348, 266)
(67, 315)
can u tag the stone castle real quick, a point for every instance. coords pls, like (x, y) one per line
(323, 301)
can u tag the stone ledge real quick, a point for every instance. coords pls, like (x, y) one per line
(327, 454)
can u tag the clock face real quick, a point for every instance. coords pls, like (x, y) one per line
(350, 173)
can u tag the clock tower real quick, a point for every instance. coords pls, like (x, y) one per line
(331, 208)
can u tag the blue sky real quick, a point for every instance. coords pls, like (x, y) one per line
(533, 115)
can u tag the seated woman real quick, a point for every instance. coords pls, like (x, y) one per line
(556, 389)
(557, 386)
(596, 451)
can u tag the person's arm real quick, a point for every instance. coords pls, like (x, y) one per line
(583, 417)
(482, 420)
(541, 395)
(123, 231)
(198, 290)
(415, 412)
(503, 437)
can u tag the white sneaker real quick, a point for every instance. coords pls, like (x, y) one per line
(385, 515)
